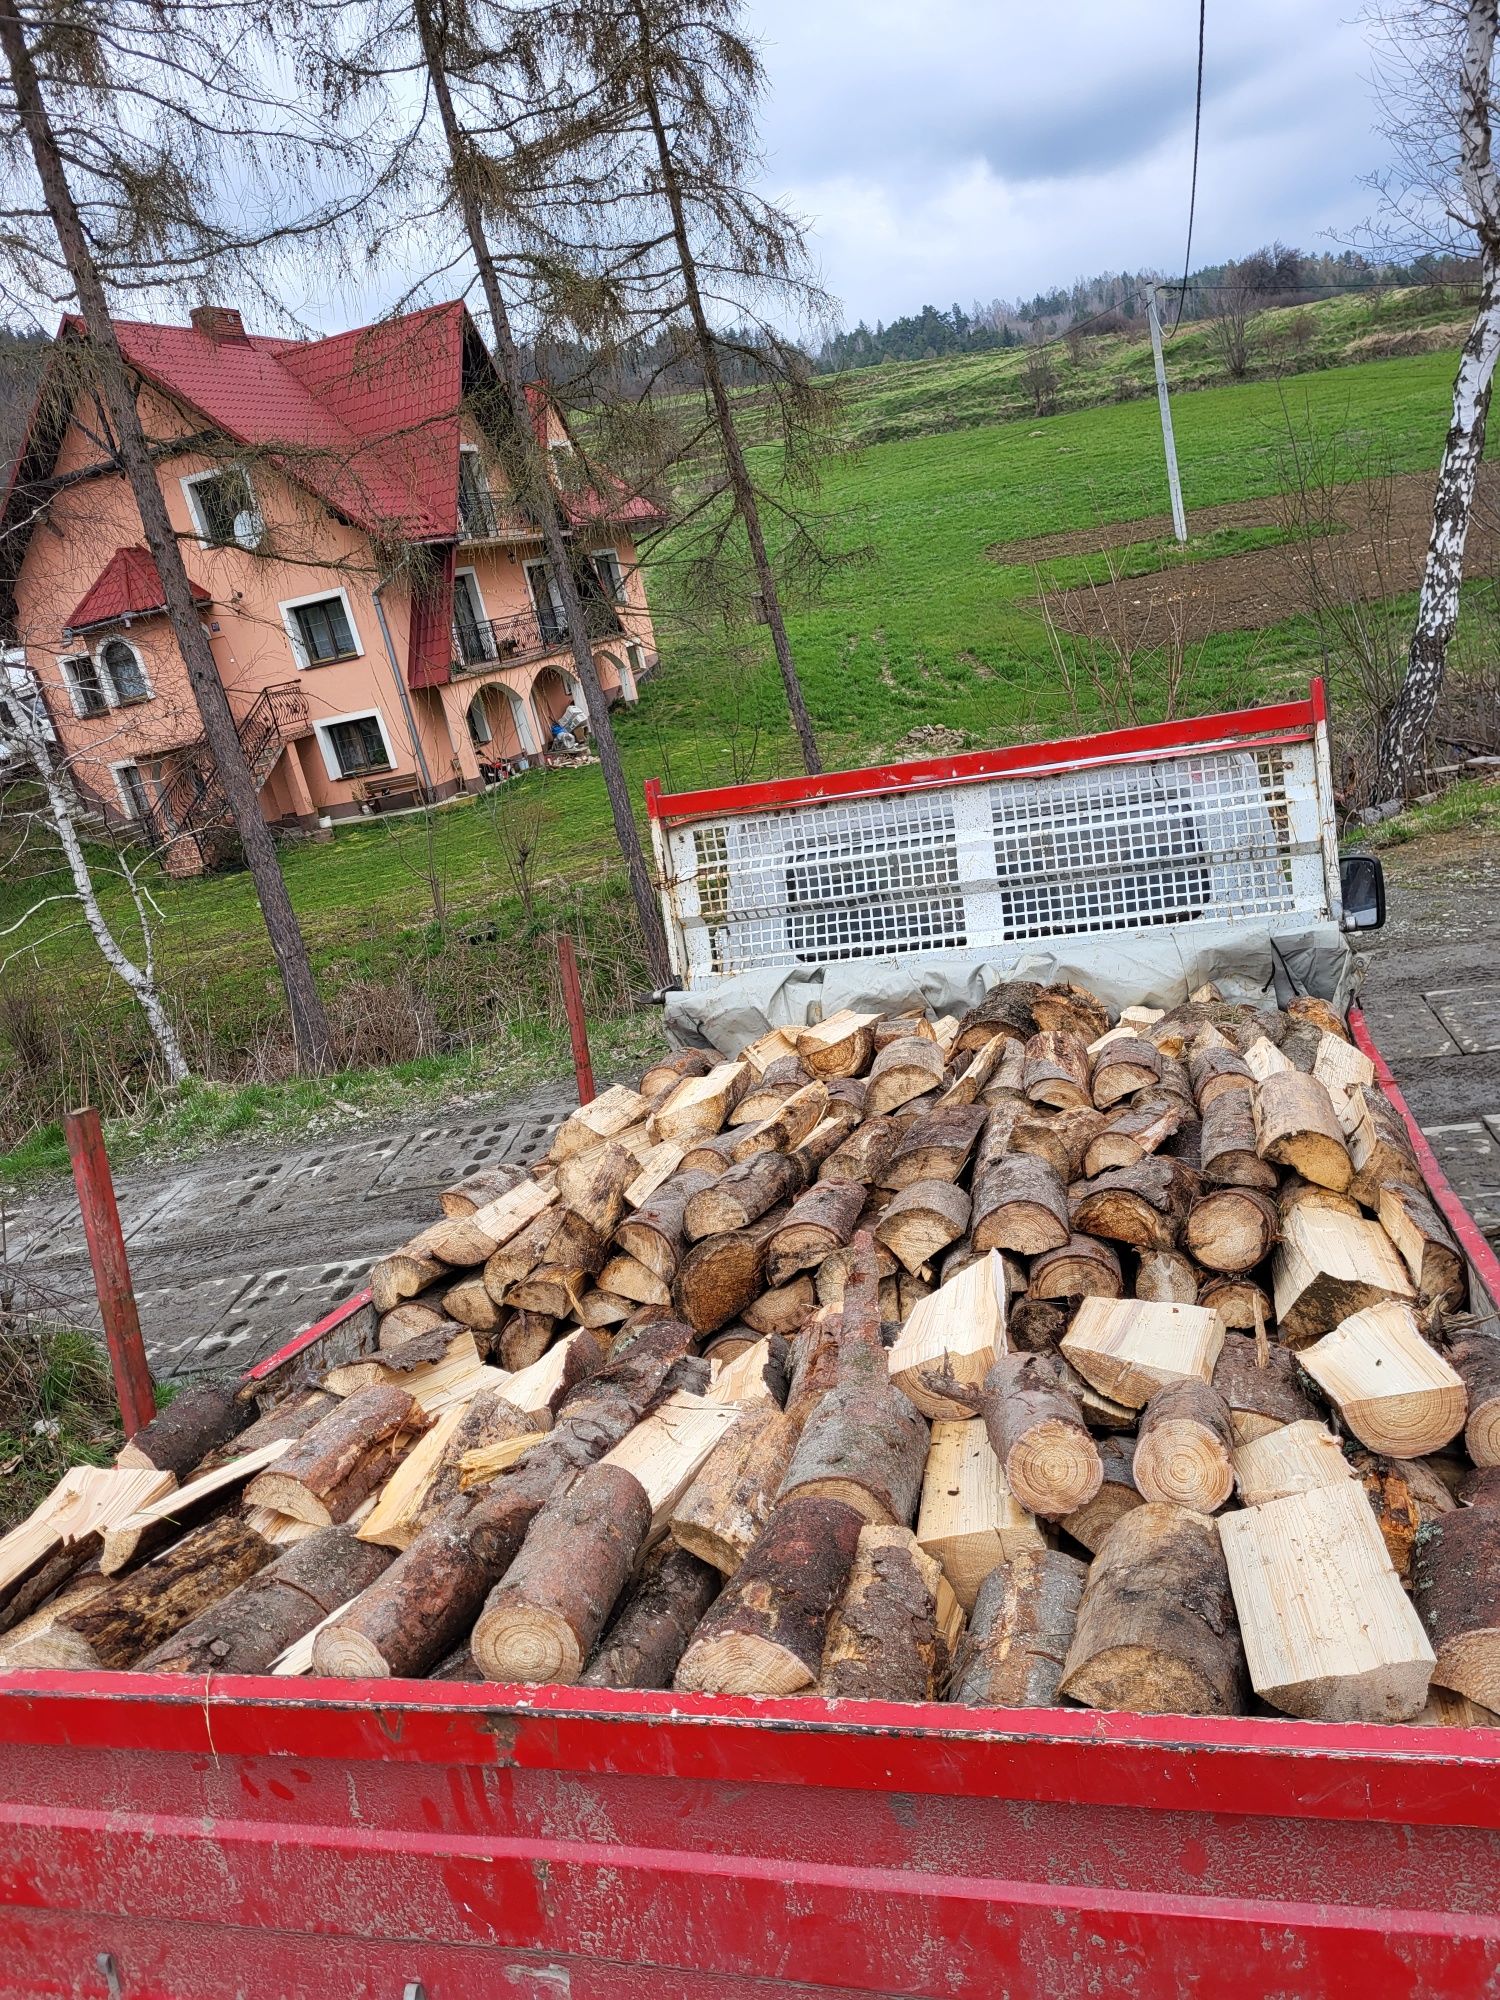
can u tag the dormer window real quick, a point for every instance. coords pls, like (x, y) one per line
(126, 676)
(223, 508)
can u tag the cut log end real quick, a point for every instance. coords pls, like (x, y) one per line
(1054, 1468)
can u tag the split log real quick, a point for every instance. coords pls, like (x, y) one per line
(1294, 1459)
(1241, 1303)
(1166, 1278)
(1020, 1631)
(1133, 1133)
(882, 1642)
(782, 1309)
(1005, 1010)
(1296, 1127)
(1081, 1268)
(488, 1420)
(786, 1127)
(721, 1275)
(1300, 1045)
(1226, 1146)
(1231, 1229)
(711, 1156)
(556, 1236)
(764, 1633)
(1038, 1434)
(1324, 1017)
(1427, 1249)
(833, 1272)
(1057, 1071)
(1144, 1206)
(1219, 1071)
(665, 1451)
(1065, 1009)
(863, 1444)
(1021, 1205)
(1122, 1068)
(593, 1185)
(400, 1276)
(1328, 1267)
(936, 1146)
(668, 1071)
(1380, 1147)
(525, 1339)
(1156, 1630)
(289, 1419)
(762, 1182)
(246, 1631)
(1100, 1412)
(1183, 1453)
(468, 1302)
(969, 1520)
(660, 1611)
(1117, 1495)
(1477, 1360)
(975, 1072)
(1446, 1710)
(1263, 1059)
(843, 1045)
(1456, 1582)
(755, 1374)
(654, 1234)
(1400, 1496)
(730, 1501)
(613, 1111)
(196, 1422)
(331, 1468)
(447, 1342)
(1329, 1633)
(903, 1071)
(1394, 1392)
(543, 1388)
(1007, 1078)
(700, 1105)
(654, 1168)
(865, 1154)
(1130, 1348)
(130, 1539)
(133, 1615)
(553, 1290)
(922, 1220)
(628, 1278)
(1263, 1395)
(542, 1621)
(824, 1140)
(471, 1239)
(951, 1340)
(770, 1090)
(819, 1222)
(481, 1188)
(1339, 1066)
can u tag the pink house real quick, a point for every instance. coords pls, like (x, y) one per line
(379, 609)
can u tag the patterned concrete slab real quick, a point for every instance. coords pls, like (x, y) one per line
(1405, 1028)
(1469, 1154)
(1471, 1015)
(439, 1155)
(266, 1311)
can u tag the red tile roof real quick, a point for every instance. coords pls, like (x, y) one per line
(128, 586)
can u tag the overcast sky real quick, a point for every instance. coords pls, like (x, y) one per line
(963, 149)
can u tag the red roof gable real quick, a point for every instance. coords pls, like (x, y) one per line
(128, 586)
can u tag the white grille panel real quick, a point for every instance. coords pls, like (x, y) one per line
(978, 869)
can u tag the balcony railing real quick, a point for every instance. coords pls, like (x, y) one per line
(502, 642)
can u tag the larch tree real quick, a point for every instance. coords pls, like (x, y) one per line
(1440, 89)
(130, 136)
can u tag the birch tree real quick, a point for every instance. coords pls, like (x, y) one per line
(119, 126)
(1445, 142)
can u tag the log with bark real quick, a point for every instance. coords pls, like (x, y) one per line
(1117, 1494)
(843, 1045)
(762, 1182)
(1428, 1250)
(973, 1072)
(1328, 1266)
(782, 1309)
(1130, 1348)
(951, 1340)
(722, 1274)
(1218, 1070)
(613, 1111)
(1057, 1071)
(863, 1443)
(1020, 1204)
(770, 1090)
(331, 1468)
(1231, 1229)
(555, 1237)
(1329, 1633)
(1156, 1630)
(1296, 1126)
(1063, 1008)
(1133, 1133)
(468, 1302)
(195, 1423)
(1038, 1434)
(724, 1510)
(1456, 1586)
(668, 1071)
(819, 1222)
(593, 1185)
(969, 1520)
(487, 1420)
(1263, 1387)
(1144, 1206)
(1019, 1632)
(700, 1105)
(786, 1127)
(1166, 1277)
(1081, 1268)
(1005, 1010)
(415, 1612)
(904, 1071)
(863, 1156)
(936, 1146)
(1184, 1448)
(654, 1233)
(764, 1633)
(883, 1642)
(1477, 1361)
(1391, 1388)
(1123, 1066)
(657, 1617)
(923, 1220)
(1241, 1302)
(1380, 1147)
(627, 1278)
(1226, 1148)
(481, 1188)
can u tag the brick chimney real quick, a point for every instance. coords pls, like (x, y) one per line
(220, 324)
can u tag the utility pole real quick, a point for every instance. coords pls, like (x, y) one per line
(1169, 444)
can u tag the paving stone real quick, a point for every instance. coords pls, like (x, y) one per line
(1405, 1028)
(270, 1308)
(1469, 1154)
(1471, 1015)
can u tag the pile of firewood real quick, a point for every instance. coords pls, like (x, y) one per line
(1023, 1358)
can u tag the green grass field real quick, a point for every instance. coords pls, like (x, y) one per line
(929, 629)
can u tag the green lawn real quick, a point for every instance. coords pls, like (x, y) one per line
(928, 630)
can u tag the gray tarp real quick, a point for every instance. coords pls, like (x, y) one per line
(1147, 969)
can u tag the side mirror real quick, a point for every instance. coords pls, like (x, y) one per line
(1362, 885)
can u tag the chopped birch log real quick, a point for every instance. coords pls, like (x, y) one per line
(819, 1222)
(658, 1615)
(1394, 1392)
(1231, 1229)
(728, 1504)
(762, 1182)
(1021, 1205)
(1124, 1066)
(904, 1070)
(1296, 1127)
(1117, 1494)
(882, 1642)
(1018, 1637)
(1036, 1429)
(1184, 1448)
(1156, 1631)
(331, 1468)
(1081, 1268)
(923, 1220)
(1130, 1348)
(1456, 1583)
(863, 1444)
(1477, 1360)
(613, 1111)
(1328, 1267)
(1293, 1459)
(196, 1422)
(1166, 1278)
(1057, 1071)
(700, 1105)
(1427, 1249)
(969, 1520)
(764, 1633)
(248, 1630)
(1264, 1392)
(1328, 1631)
(936, 1146)
(952, 1339)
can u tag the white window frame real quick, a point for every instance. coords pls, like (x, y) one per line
(127, 803)
(554, 596)
(330, 755)
(106, 678)
(64, 664)
(479, 702)
(300, 656)
(614, 554)
(190, 480)
(468, 569)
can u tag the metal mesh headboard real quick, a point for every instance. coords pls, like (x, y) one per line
(981, 863)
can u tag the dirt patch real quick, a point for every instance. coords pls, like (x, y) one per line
(1121, 534)
(1377, 552)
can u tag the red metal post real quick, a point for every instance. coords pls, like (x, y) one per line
(101, 1225)
(578, 1031)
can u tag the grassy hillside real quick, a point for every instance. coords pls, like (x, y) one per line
(929, 630)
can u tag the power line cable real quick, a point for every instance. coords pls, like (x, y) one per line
(1187, 258)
